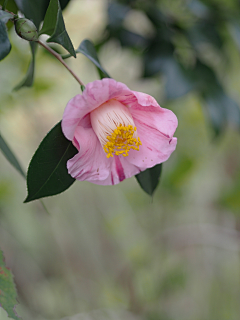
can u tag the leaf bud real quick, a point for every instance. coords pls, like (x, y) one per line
(26, 29)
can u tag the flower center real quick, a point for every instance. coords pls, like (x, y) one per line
(114, 126)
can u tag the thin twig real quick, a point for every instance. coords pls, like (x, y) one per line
(56, 55)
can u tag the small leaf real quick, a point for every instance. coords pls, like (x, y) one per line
(5, 45)
(8, 294)
(29, 77)
(87, 48)
(54, 26)
(149, 179)
(47, 172)
(10, 156)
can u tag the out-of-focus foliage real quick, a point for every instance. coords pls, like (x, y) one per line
(111, 252)
(8, 293)
(185, 42)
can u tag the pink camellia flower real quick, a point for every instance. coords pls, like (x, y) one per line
(118, 132)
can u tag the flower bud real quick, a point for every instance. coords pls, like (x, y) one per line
(26, 29)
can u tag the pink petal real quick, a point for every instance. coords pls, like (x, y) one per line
(90, 163)
(120, 169)
(95, 94)
(156, 147)
(146, 110)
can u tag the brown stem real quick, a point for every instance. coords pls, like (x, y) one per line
(56, 55)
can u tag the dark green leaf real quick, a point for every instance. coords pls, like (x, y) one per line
(8, 293)
(10, 156)
(47, 172)
(54, 26)
(28, 79)
(36, 10)
(11, 5)
(5, 45)
(33, 10)
(87, 48)
(149, 179)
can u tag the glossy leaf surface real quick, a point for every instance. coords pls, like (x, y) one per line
(10, 156)
(54, 26)
(87, 48)
(47, 173)
(149, 179)
(36, 10)
(8, 293)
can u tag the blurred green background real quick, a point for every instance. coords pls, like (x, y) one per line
(114, 252)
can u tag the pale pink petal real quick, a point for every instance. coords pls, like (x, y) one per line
(95, 94)
(120, 169)
(90, 163)
(156, 147)
(146, 110)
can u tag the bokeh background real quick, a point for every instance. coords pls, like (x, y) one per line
(114, 252)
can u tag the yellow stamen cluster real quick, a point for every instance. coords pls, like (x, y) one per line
(121, 141)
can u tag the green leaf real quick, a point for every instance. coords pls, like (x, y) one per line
(54, 26)
(11, 5)
(149, 179)
(33, 10)
(36, 10)
(87, 48)
(47, 172)
(5, 45)
(8, 294)
(29, 77)
(10, 156)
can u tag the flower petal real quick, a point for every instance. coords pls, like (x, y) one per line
(95, 94)
(156, 147)
(90, 163)
(147, 110)
(120, 169)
